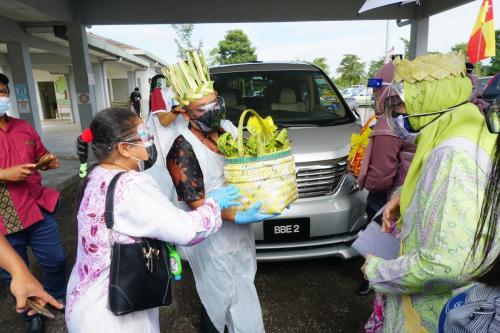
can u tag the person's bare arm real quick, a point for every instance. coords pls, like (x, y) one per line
(166, 118)
(24, 285)
(17, 173)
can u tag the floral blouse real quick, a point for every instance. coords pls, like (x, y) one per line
(141, 210)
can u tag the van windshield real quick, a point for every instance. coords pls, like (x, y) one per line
(292, 98)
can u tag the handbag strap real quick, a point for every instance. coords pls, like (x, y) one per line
(109, 205)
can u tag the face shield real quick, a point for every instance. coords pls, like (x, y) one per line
(145, 139)
(212, 115)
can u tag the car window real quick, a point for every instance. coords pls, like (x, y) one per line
(290, 97)
(493, 88)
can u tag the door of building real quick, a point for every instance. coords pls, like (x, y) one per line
(48, 99)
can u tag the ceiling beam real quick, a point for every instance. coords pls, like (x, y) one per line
(11, 31)
(46, 10)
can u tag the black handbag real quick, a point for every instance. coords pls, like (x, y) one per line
(139, 276)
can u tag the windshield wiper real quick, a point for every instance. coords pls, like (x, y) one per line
(290, 124)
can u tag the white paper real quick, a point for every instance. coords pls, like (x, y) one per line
(377, 243)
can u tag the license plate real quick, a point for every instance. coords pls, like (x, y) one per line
(287, 230)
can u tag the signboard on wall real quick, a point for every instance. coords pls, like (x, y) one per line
(21, 92)
(22, 97)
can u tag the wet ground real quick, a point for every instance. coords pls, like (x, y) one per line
(304, 296)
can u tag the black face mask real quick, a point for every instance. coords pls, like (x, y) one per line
(152, 156)
(211, 119)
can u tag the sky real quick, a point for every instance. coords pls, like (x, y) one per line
(307, 40)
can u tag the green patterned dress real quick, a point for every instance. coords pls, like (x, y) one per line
(437, 233)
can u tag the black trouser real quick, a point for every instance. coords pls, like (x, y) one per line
(137, 108)
(375, 202)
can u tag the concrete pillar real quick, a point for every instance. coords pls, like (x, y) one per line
(106, 85)
(24, 86)
(75, 117)
(131, 82)
(101, 93)
(14, 111)
(419, 37)
(110, 90)
(83, 76)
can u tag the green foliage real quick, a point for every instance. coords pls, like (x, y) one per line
(460, 47)
(406, 43)
(264, 138)
(322, 63)
(494, 66)
(374, 66)
(183, 40)
(235, 48)
(351, 70)
(483, 70)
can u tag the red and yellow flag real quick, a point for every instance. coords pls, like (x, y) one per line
(482, 41)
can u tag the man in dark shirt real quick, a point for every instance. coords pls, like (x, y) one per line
(135, 100)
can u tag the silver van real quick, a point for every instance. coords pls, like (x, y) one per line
(330, 211)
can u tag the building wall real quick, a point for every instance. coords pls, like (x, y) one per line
(62, 93)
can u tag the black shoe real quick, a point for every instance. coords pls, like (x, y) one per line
(35, 325)
(364, 289)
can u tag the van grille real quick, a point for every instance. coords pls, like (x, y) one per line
(317, 179)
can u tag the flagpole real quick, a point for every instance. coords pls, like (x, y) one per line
(478, 50)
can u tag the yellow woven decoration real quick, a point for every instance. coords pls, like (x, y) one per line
(430, 67)
(190, 79)
(271, 182)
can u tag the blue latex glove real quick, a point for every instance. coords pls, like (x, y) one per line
(226, 197)
(252, 215)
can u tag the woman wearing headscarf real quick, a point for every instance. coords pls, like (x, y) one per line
(441, 198)
(387, 157)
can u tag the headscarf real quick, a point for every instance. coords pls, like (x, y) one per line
(386, 73)
(429, 95)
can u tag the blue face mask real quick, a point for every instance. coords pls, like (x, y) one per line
(4, 105)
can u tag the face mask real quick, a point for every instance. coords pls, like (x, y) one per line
(150, 161)
(213, 114)
(4, 105)
(402, 128)
(148, 143)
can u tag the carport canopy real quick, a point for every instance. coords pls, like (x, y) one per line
(92, 12)
(19, 19)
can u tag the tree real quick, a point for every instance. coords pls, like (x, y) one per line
(183, 40)
(406, 43)
(460, 47)
(374, 66)
(235, 48)
(351, 70)
(322, 63)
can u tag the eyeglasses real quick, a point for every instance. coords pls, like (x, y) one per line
(391, 104)
(216, 104)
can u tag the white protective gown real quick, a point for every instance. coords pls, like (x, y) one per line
(224, 265)
(140, 211)
(164, 136)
